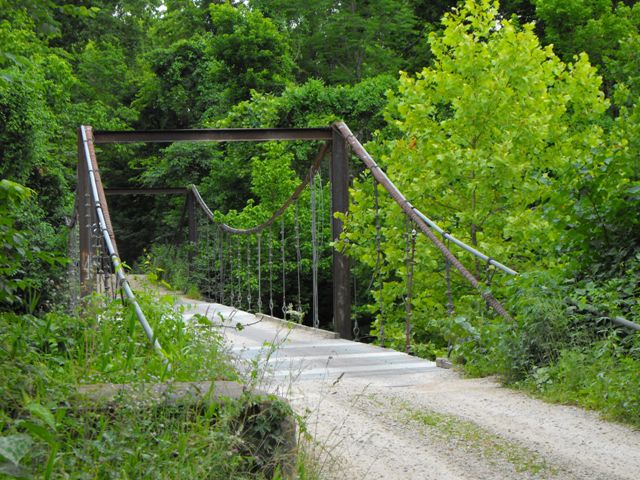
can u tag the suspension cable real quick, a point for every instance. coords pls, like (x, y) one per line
(239, 293)
(271, 271)
(378, 263)
(296, 223)
(284, 295)
(320, 207)
(207, 257)
(410, 252)
(278, 213)
(259, 273)
(248, 275)
(222, 270)
(450, 305)
(232, 272)
(314, 253)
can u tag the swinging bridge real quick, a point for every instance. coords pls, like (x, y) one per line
(245, 269)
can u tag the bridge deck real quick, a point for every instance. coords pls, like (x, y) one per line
(283, 352)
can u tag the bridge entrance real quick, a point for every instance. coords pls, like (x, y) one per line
(230, 252)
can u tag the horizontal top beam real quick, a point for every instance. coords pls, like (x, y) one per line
(211, 135)
(146, 191)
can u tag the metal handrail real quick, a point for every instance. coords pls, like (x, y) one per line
(620, 321)
(342, 127)
(117, 264)
(463, 245)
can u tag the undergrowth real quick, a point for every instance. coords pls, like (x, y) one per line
(44, 434)
(560, 347)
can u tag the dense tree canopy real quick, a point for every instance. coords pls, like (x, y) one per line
(514, 125)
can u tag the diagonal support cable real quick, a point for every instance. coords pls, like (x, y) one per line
(412, 213)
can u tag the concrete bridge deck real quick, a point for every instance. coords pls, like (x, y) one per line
(287, 351)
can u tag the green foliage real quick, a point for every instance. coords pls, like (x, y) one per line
(13, 245)
(314, 104)
(23, 261)
(602, 376)
(249, 50)
(24, 139)
(206, 74)
(505, 140)
(105, 76)
(598, 27)
(179, 91)
(44, 358)
(487, 135)
(346, 42)
(543, 328)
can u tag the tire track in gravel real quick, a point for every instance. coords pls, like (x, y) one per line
(441, 426)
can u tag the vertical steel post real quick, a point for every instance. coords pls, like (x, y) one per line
(83, 219)
(340, 203)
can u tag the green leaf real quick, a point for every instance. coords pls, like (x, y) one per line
(14, 447)
(15, 471)
(40, 431)
(43, 414)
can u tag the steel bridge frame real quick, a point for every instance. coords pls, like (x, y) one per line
(339, 168)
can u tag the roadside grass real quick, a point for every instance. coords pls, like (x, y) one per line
(469, 436)
(600, 374)
(601, 377)
(560, 349)
(43, 359)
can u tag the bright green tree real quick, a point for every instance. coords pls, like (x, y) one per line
(488, 133)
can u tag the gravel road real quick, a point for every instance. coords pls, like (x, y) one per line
(437, 425)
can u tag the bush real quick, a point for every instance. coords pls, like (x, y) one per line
(43, 359)
(603, 376)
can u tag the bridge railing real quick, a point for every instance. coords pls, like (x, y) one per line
(423, 223)
(99, 262)
(98, 255)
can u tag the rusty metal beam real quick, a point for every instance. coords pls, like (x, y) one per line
(98, 179)
(341, 269)
(145, 191)
(212, 135)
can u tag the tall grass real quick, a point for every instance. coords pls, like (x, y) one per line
(43, 434)
(559, 352)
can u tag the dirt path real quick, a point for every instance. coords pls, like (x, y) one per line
(439, 426)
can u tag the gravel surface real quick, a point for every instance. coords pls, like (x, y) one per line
(428, 425)
(438, 425)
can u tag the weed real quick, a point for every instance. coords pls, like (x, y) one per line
(43, 359)
(470, 436)
(603, 376)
